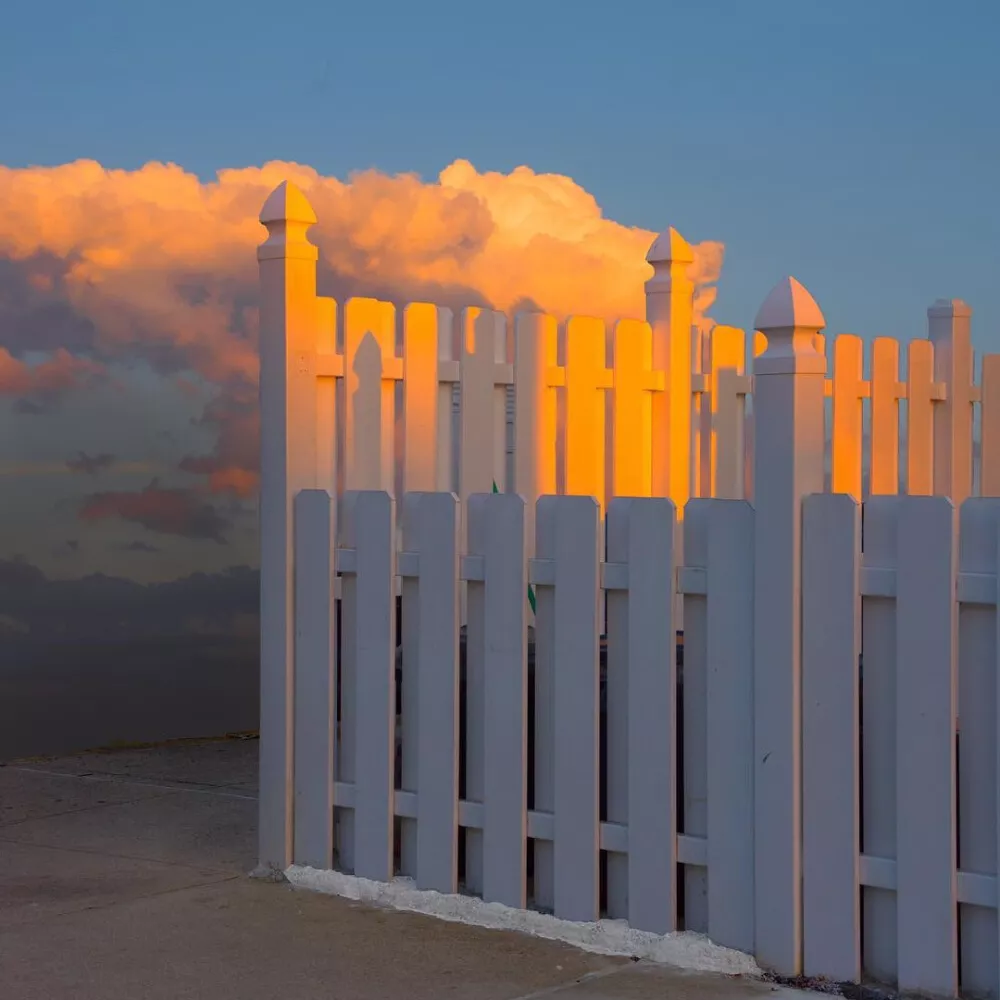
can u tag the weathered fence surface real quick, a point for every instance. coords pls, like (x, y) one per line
(815, 783)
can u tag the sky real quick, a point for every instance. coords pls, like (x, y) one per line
(471, 152)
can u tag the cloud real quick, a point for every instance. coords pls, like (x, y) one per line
(232, 466)
(99, 607)
(38, 387)
(90, 465)
(138, 547)
(180, 512)
(156, 265)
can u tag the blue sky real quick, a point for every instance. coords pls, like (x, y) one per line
(855, 145)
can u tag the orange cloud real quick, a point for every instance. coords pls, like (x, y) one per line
(156, 264)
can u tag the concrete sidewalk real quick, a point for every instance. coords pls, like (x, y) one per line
(123, 875)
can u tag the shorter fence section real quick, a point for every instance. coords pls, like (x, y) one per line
(587, 774)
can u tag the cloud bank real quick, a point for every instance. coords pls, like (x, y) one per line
(104, 267)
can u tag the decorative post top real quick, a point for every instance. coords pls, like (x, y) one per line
(790, 319)
(670, 247)
(670, 256)
(949, 309)
(287, 215)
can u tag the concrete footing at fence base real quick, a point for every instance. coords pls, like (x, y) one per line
(683, 950)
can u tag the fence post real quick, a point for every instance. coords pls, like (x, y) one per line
(669, 309)
(287, 464)
(788, 465)
(948, 329)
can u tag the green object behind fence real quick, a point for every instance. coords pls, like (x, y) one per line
(531, 590)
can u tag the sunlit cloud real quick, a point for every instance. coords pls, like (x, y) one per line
(102, 266)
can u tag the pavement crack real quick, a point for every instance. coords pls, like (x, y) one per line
(111, 904)
(5, 826)
(204, 869)
(111, 778)
(589, 977)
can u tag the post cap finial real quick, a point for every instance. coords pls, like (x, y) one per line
(287, 203)
(287, 215)
(790, 320)
(670, 247)
(949, 308)
(789, 306)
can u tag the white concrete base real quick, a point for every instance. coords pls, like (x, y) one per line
(685, 950)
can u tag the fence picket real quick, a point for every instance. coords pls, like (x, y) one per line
(878, 732)
(534, 413)
(587, 378)
(568, 541)
(831, 648)
(408, 667)
(426, 464)
(977, 748)
(497, 649)
(996, 758)
(729, 711)
(370, 371)
(327, 396)
(369, 611)
(694, 695)
(430, 530)
(314, 679)
(926, 647)
(849, 391)
(886, 390)
(730, 386)
(632, 408)
(616, 711)
(922, 392)
(989, 454)
(482, 418)
(641, 538)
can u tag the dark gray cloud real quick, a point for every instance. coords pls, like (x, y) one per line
(90, 465)
(35, 311)
(138, 546)
(108, 607)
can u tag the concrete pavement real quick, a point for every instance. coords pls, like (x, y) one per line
(123, 875)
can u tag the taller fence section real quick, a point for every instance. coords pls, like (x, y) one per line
(416, 397)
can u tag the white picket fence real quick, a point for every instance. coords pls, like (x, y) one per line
(817, 785)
